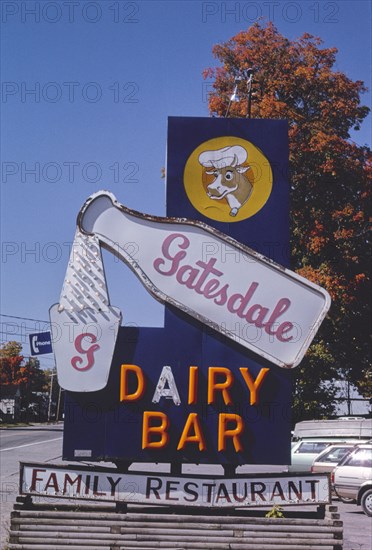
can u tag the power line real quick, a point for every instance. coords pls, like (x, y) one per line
(22, 338)
(26, 330)
(21, 325)
(23, 318)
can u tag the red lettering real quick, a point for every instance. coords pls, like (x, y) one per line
(283, 329)
(208, 269)
(244, 300)
(174, 249)
(89, 352)
(260, 312)
(279, 309)
(185, 243)
(221, 296)
(35, 479)
(52, 482)
(210, 287)
(191, 274)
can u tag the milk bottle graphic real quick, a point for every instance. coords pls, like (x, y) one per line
(277, 311)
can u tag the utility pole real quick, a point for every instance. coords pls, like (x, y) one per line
(58, 403)
(249, 91)
(235, 96)
(348, 398)
(50, 394)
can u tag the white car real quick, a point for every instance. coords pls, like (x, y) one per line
(328, 459)
(304, 452)
(352, 478)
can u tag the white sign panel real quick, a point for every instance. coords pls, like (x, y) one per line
(197, 491)
(215, 279)
(84, 324)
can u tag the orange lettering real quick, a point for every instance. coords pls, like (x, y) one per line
(223, 433)
(254, 385)
(124, 395)
(196, 436)
(193, 386)
(160, 429)
(214, 386)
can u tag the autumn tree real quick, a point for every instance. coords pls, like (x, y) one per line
(26, 374)
(11, 361)
(296, 80)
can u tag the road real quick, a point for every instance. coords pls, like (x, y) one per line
(30, 444)
(44, 444)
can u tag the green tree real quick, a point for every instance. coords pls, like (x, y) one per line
(296, 80)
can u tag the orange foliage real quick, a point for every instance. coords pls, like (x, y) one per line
(330, 174)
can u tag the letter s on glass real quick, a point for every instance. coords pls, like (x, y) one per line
(77, 360)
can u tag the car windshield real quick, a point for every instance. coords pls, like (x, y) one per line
(334, 455)
(312, 447)
(361, 457)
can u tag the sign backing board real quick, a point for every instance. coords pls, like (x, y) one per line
(209, 370)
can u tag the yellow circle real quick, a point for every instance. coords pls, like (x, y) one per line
(196, 181)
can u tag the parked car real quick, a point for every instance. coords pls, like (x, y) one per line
(352, 478)
(304, 452)
(328, 459)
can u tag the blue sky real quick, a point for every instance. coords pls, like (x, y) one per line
(105, 76)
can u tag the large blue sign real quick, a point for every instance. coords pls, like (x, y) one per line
(186, 393)
(40, 343)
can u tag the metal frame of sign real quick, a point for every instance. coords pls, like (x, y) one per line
(218, 235)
